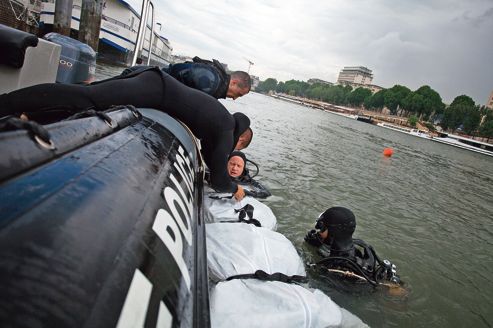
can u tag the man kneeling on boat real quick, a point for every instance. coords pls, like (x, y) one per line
(219, 131)
(207, 76)
(348, 257)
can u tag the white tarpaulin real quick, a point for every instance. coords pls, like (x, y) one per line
(240, 248)
(221, 210)
(251, 303)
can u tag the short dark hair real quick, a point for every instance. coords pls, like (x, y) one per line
(243, 78)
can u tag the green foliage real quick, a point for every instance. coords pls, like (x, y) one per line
(268, 85)
(486, 129)
(376, 101)
(432, 102)
(412, 120)
(420, 104)
(413, 103)
(280, 87)
(358, 96)
(472, 119)
(394, 96)
(463, 100)
(462, 112)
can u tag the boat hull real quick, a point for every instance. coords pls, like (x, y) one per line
(107, 234)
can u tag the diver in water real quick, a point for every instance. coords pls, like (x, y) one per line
(240, 174)
(347, 256)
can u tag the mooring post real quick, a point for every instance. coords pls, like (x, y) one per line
(63, 17)
(90, 22)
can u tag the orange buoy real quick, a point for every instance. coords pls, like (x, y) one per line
(388, 152)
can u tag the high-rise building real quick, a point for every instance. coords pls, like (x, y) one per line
(356, 75)
(489, 103)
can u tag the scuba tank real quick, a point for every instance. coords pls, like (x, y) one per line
(364, 266)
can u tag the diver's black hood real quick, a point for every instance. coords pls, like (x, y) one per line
(242, 123)
(341, 223)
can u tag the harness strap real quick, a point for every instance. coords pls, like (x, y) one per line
(264, 276)
(247, 211)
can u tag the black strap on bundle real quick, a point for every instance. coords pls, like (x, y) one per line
(247, 211)
(264, 276)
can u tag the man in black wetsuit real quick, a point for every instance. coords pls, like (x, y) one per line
(334, 237)
(219, 131)
(207, 76)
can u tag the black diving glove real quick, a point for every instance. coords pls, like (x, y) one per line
(313, 238)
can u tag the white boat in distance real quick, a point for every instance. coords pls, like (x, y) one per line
(444, 138)
(118, 33)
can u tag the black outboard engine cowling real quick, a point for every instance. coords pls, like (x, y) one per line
(77, 60)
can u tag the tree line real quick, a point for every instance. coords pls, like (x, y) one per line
(424, 104)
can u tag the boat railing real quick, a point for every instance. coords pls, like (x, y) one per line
(139, 43)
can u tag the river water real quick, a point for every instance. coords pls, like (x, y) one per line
(428, 208)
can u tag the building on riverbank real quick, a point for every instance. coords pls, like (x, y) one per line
(355, 74)
(358, 77)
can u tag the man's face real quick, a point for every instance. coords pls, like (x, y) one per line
(235, 166)
(234, 91)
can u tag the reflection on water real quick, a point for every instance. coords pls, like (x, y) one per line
(428, 208)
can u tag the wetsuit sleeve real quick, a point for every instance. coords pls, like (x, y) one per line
(216, 157)
(259, 191)
(129, 70)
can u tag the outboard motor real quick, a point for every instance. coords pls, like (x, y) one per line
(77, 60)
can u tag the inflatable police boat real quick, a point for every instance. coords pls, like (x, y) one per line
(101, 222)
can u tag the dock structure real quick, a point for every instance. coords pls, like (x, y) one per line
(63, 17)
(90, 22)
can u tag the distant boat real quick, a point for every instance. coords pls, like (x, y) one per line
(118, 33)
(364, 118)
(465, 143)
(448, 139)
(414, 132)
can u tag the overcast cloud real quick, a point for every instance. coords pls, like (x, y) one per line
(447, 44)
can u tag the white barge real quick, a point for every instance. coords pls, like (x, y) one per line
(118, 34)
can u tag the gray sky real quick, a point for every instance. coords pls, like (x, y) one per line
(447, 44)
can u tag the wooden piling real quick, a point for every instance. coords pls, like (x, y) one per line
(90, 22)
(63, 17)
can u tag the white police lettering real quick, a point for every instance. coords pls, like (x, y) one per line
(172, 198)
(182, 159)
(187, 200)
(174, 242)
(134, 310)
(164, 319)
(171, 227)
(135, 307)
